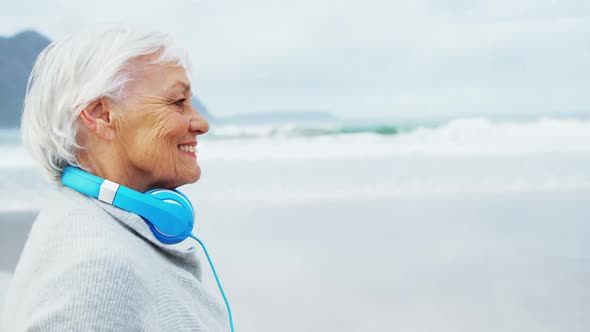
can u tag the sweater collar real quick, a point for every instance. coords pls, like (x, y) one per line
(184, 253)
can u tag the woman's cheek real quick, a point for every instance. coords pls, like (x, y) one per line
(173, 127)
(182, 124)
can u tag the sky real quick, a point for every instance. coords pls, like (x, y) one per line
(372, 58)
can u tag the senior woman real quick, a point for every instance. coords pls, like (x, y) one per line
(115, 105)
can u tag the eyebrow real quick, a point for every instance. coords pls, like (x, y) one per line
(186, 87)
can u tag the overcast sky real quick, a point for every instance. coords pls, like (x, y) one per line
(359, 58)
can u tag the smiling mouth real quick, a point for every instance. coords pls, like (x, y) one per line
(189, 149)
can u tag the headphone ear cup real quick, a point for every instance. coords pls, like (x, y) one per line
(185, 198)
(183, 224)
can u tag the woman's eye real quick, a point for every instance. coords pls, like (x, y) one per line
(180, 102)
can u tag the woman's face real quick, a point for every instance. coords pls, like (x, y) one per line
(157, 127)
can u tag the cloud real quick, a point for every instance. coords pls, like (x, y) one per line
(375, 57)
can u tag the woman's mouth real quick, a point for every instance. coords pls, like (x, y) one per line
(189, 149)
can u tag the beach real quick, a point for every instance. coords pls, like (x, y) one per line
(467, 263)
(510, 262)
(458, 228)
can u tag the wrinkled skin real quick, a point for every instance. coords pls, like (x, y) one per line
(135, 141)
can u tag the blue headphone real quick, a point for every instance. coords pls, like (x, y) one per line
(169, 213)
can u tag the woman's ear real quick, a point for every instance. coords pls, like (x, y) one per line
(97, 118)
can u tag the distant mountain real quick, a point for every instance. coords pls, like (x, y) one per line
(278, 117)
(17, 56)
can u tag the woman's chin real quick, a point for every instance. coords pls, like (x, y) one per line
(189, 176)
(194, 174)
(189, 173)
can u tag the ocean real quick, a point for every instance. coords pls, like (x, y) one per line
(472, 224)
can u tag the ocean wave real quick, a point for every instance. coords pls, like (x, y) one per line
(465, 136)
(483, 136)
(472, 129)
(473, 155)
(293, 131)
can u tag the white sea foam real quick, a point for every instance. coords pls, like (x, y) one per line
(469, 136)
(474, 136)
(481, 136)
(463, 156)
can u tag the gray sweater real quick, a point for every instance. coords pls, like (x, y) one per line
(89, 266)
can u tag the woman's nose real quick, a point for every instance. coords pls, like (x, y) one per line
(198, 124)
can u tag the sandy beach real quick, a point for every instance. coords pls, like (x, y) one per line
(510, 262)
(459, 241)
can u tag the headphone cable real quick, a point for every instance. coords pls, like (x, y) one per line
(231, 321)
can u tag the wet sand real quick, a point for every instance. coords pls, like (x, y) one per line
(508, 262)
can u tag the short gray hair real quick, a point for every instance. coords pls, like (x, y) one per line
(73, 72)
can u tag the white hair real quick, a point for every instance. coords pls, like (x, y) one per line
(73, 72)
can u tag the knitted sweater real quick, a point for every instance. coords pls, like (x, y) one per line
(90, 266)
